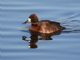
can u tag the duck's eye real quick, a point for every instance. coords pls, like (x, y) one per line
(29, 20)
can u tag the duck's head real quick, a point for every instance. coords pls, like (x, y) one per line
(32, 19)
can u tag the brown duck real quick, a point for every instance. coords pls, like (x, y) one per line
(43, 26)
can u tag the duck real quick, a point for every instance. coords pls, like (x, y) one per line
(43, 26)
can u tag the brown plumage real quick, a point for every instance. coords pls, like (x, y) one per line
(43, 26)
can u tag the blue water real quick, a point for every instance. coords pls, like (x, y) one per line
(65, 46)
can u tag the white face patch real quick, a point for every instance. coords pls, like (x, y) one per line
(29, 20)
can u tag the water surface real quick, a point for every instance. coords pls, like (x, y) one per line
(65, 46)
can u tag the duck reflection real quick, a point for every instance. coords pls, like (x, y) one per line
(35, 36)
(33, 39)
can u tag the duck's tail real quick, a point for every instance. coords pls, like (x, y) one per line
(62, 28)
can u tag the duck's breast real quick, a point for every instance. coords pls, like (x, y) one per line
(34, 28)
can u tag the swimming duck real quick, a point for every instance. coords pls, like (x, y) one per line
(43, 26)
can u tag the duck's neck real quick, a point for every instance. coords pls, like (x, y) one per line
(34, 24)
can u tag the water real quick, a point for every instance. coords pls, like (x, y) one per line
(65, 46)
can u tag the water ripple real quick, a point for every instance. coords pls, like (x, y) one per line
(65, 46)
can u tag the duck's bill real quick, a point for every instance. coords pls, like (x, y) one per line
(25, 22)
